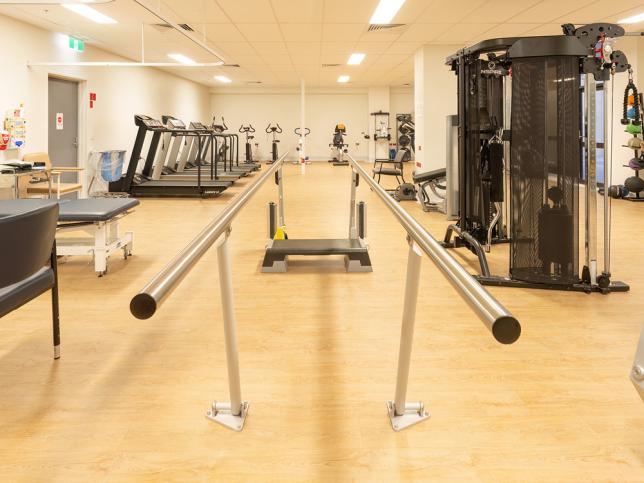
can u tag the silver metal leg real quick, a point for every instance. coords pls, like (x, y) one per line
(353, 229)
(608, 165)
(401, 413)
(280, 190)
(591, 185)
(233, 414)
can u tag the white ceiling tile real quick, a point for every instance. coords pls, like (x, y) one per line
(236, 48)
(547, 11)
(304, 48)
(336, 32)
(545, 29)
(188, 11)
(372, 47)
(403, 47)
(260, 31)
(384, 35)
(248, 11)
(509, 30)
(423, 32)
(277, 59)
(270, 48)
(340, 48)
(497, 11)
(448, 11)
(599, 12)
(223, 32)
(306, 11)
(349, 11)
(463, 32)
(411, 10)
(301, 31)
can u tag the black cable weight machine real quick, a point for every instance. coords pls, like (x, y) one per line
(522, 136)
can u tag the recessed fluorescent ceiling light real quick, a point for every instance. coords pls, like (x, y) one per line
(356, 59)
(88, 12)
(386, 11)
(182, 59)
(223, 78)
(343, 78)
(634, 19)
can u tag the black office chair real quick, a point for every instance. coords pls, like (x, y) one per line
(28, 261)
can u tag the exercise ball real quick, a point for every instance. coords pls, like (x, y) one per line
(634, 184)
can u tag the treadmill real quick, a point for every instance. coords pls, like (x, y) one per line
(142, 185)
(166, 163)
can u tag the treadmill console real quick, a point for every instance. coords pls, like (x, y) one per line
(175, 124)
(198, 126)
(148, 122)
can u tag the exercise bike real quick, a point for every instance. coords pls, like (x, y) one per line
(248, 131)
(300, 147)
(339, 147)
(274, 130)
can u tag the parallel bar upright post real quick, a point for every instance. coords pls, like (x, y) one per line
(401, 413)
(280, 193)
(230, 415)
(353, 229)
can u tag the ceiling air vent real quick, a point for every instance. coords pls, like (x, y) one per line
(384, 26)
(253, 82)
(331, 65)
(165, 26)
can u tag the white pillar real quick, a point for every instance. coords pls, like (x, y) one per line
(434, 99)
(378, 101)
(302, 157)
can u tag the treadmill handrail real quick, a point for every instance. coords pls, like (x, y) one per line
(150, 298)
(503, 325)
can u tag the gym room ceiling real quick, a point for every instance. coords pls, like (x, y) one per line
(277, 42)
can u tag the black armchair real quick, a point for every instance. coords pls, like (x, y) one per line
(28, 261)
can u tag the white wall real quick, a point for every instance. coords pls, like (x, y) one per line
(121, 92)
(324, 109)
(633, 47)
(435, 98)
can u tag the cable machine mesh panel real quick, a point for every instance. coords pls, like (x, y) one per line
(545, 165)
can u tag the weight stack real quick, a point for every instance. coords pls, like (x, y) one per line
(545, 165)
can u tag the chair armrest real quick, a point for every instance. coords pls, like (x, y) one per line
(67, 169)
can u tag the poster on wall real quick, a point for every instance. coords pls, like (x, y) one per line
(59, 121)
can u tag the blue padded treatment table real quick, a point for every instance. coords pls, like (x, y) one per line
(89, 210)
(97, 216)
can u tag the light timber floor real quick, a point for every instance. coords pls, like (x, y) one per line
(318, 352)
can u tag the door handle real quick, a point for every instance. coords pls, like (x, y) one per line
(75, 143)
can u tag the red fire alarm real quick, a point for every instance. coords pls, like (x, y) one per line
(92, 96)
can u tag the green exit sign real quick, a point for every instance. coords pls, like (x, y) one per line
(76, 44)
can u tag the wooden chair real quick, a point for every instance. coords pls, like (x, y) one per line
(43, 188)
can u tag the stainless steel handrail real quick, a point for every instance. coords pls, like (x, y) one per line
(149, 299)
(503, 325)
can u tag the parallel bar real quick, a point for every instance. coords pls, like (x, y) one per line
(503, 325)
(150, 298)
